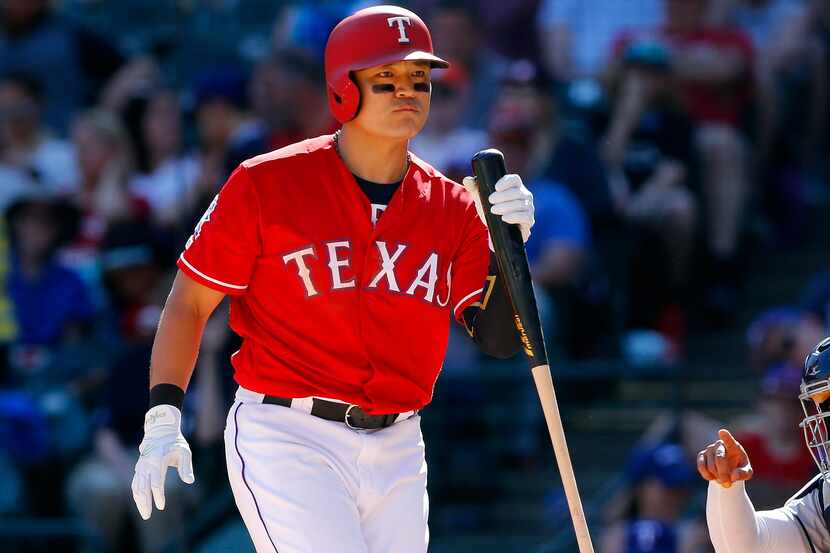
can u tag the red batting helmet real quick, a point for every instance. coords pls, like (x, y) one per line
(370, 37)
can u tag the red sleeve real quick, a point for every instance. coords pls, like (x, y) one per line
(225, 244)
(469, 266)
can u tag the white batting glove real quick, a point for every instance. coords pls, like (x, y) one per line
(511, 200)
(163, 446)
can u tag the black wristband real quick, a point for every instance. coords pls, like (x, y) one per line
(166, 394)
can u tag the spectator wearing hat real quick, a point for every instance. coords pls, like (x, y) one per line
(659, 483)
(782, 335)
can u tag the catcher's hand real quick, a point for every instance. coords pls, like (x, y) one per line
(724, 461)
(163, 446)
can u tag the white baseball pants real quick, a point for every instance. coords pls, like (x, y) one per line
(307, 485)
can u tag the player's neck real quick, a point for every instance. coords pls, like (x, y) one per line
(374, 158)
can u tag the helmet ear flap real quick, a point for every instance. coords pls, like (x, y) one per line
(344, 99)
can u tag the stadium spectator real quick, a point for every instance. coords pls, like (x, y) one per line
(454, 26)
(105, 162)
(222, 122)
(521, 127)
(165, 176)
(779, 459)
(98, 488)
(782, 335)
(523, 124)
(648, 150)
(791, 78)
(25, 145)
(47, 376)
(51, 302)
(71, 63)
(288, 97)
(713, 68)
(659, 483)
(445, 141)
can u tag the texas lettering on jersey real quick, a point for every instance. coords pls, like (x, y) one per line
(334, 296)
(338, 263)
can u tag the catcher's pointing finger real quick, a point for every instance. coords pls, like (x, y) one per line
(725, 461)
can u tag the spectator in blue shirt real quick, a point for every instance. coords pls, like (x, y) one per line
(50, 301)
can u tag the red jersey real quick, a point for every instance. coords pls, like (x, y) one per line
(329, 304)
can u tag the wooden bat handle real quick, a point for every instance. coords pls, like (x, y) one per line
(547, 396)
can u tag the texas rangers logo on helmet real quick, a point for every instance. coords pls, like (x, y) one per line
(399, 21)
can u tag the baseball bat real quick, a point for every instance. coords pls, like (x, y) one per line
(489, 167)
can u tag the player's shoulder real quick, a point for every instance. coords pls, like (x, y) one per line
(814, 487)
(449, 187)
(304, 153)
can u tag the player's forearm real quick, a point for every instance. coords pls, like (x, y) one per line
(735, 527)
(177, 344)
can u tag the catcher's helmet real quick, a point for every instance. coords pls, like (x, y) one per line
(815, 400)
(370, 37)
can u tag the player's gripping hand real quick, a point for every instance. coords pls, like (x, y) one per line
(724, 461)
(512, 201)
(163, 446)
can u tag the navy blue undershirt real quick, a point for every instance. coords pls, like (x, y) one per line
(377, 193)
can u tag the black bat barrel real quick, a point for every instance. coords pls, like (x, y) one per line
(489, 167)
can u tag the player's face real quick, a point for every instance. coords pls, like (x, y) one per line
(394, 99)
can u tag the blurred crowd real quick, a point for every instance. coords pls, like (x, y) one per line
(666, 143)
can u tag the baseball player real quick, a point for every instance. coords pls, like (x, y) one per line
(345, 257)
(802, 525)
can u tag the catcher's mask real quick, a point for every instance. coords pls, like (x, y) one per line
(815, 401)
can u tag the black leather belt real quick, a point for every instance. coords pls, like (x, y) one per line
(351, 415)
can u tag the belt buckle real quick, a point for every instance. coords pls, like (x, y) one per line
(346, 417)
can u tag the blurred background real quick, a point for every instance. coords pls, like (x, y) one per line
(678, 154)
